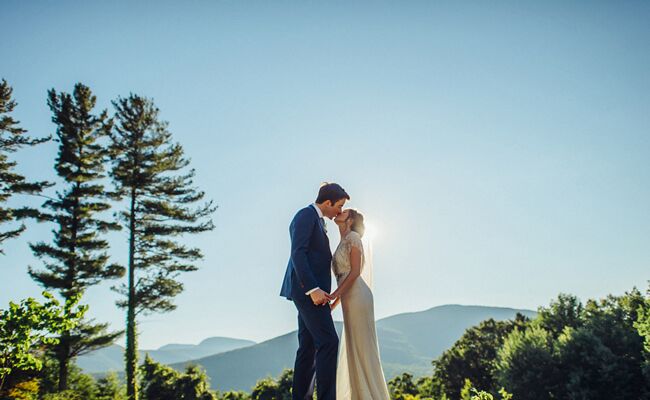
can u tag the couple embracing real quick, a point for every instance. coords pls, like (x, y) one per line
(354, 371)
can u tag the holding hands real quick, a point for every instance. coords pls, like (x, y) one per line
(319, 297)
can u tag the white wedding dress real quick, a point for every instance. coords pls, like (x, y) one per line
(359, 375)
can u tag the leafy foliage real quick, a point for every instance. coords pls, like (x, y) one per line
(468, 392)
(234, 395)
(110, 388)
(25, 330)
(642, 324)
(160, 382)
(569, 351)
(24, 390)
(526, 364)
(473, 357)
(80, 385)
(402, 386)
(270, 389)
(565, 311)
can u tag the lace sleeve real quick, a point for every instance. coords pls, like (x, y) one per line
(355, 240)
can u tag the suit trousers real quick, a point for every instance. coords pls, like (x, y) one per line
(317, 352)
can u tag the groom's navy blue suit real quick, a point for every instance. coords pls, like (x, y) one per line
(310, 267)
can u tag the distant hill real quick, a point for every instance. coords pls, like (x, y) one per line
(408, 343)
(112, 357)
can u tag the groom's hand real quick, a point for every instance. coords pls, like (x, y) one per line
(319, 297)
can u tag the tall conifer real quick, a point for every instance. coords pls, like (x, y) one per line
(147, 173)
(77, 258)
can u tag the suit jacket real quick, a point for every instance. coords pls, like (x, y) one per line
(311, 258)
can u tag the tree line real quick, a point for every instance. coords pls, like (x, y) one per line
(124, 162)
(570, 350)
(599, 350)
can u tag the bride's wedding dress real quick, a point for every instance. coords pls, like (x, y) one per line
(359, 375)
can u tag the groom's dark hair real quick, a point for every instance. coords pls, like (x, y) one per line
(332, 192)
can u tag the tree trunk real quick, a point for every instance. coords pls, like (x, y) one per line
(131, 343)
(64, 344)
(64, 361)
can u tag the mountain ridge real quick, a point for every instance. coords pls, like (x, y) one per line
(112, 357)
(408, 343)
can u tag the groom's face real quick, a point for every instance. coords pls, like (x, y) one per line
(334, 209)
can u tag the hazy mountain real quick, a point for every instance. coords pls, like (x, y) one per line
(408, 343)
(112, 357)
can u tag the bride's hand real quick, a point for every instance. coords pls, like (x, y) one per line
(334, 304)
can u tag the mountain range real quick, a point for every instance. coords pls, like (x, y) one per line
(408, 342)
(111, 358)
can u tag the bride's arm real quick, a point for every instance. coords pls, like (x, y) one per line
(355, 264)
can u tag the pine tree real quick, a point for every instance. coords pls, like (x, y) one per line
(77, 259)
(159, 208)
(12, 138)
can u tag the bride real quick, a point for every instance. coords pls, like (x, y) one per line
(359, 375)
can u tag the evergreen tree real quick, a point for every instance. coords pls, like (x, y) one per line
(77, 259)
(12, 139)
(159, 208)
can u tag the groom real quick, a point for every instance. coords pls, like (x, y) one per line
(307, 282)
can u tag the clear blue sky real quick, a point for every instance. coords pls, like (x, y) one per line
(502, 149)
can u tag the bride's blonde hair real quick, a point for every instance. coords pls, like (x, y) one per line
(357, 221)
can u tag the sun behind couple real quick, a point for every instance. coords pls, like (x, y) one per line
(307, 282)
